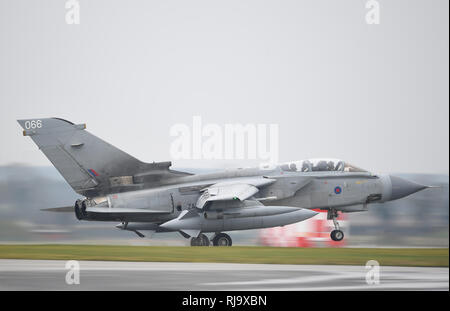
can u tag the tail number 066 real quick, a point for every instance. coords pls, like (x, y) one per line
(33, 124)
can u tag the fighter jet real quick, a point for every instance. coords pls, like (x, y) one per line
(117, 187)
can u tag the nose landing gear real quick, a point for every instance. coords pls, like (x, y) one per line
(337, 234)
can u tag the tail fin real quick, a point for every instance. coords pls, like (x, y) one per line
(90, 165)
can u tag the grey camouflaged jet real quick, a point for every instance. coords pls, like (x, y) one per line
(152, 197)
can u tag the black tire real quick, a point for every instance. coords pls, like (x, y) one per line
(337, 235)
(83, 209)
(78, 213)
(201, 240)
(204, 241)
(195, 241)
(222, 239)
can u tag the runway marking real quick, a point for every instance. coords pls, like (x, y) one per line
(308, 279)
(16, 274)
(389, 280)
(398, 286)
(386, 276)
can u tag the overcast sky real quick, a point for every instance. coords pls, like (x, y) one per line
(375, 95)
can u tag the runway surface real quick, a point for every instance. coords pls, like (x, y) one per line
(113, 275)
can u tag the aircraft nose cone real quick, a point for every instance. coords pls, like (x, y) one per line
(402, 187)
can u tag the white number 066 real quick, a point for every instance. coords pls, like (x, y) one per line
(33, 124)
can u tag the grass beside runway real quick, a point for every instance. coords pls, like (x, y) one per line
(419, 257)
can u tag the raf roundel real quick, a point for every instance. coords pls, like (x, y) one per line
(338, 190)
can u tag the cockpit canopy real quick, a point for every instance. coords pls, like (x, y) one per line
(320, 165)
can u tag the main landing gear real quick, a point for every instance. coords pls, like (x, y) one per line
(337, 234)
(219, 239)
(222, 239)
(201, 240)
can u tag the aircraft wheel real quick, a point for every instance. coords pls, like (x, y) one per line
(195, 241)
(222, 239)
(204, 241)
(78, 212)
(337, 235)
(201, 240)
